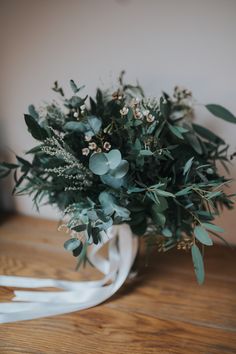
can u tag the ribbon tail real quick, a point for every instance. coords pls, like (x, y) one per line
(81, 295)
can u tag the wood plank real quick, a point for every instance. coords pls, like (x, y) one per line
(163, 310)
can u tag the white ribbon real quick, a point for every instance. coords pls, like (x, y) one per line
(76, 296)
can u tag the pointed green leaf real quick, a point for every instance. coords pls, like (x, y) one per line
(193, 140)
(188, 165)
(207, 134)
(146, 152)
(212, 227)
(221, 112)
(32, 112)
(94, 125)
(164, 193)
(79, 228)
(198, 264)
(175, 131)
(73, 86)
(202, 236)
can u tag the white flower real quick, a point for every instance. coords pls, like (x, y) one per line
(82, 107)
(138, 114)
(124, 111)
(99, 150)
(85, 151)
(87, 138)
(76, 114)
(150, 118)
(92, 146)
(146, 112)
(107, 145)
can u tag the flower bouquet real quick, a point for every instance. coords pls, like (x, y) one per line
(121, 158)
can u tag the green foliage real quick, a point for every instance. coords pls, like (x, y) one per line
(35, 129)
(74, 245)
(125, 158)
(202, 236)
(221, 112)
(198, 264)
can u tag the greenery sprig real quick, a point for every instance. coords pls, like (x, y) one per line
(125, 158)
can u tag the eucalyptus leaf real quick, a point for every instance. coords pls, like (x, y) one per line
(146, 152)
(198, 264)
(158, 218)
(72, 244)
(94, 125)
(114, 158)
(208, 134)
(79, 228)
(193, 140)
(202, 236)
(32, 112)
(35, 129)
(183, 191)
(166, 232)
(98, 164)
(188, 165)
(221, 112)
(174, 130)
(121, 170)
(164, 193)
(212, 227)
(113, 182)
(76, 127)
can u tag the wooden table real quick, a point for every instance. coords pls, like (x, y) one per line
(162, 311)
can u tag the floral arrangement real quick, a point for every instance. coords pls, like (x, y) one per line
(124, 158)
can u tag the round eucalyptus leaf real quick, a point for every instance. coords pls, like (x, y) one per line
(121, 170)
(72, 244)
(98, 164)
(111, 181)
(114, 158)
(75, 127)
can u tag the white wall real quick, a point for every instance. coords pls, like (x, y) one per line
(160, 42)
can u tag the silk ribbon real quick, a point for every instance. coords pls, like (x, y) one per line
(75, 295)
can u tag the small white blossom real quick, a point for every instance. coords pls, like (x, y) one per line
(87, 138)
(82, 107)
(107, 145)
(150, 118)
(99, 150)
(92, 146)
(124, 111)
(76, 114)
(85, 151)
(138, 114)
(146, 112)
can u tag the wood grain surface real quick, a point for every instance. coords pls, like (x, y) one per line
(162, 311)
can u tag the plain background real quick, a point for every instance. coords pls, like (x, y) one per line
(159, 42)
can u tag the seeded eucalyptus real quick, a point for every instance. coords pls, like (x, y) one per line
(121, 157)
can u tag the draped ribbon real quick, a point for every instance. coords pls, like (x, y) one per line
(75, 295)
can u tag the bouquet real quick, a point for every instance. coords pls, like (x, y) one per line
(123, 158)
